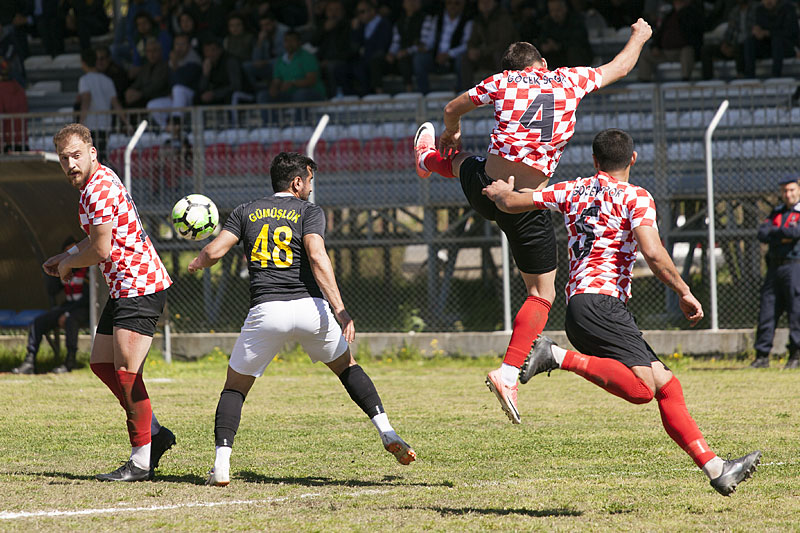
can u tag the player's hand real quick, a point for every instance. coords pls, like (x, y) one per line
(64, 272)
(499, 191)
(51, 265)
(691, 308)
(449, 142)
(641, 29)
(348, 328)
(195, 265)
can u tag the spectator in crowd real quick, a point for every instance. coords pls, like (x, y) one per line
(774, 34)
(779, 293)
(371, 37)
(444, 41)
(619, 13)
(268, 47)
(96, 97)
(70, 315)
(15, 15)
(239, 41)
(89, 19)
(562, 37)
(188, 25)
(332, 41)
(9, 51)
(292, 13)
(492, 31)
(296, 77)
(185, 71)
(147, 28)
(679, 37)
(12, 101)
(106, 65)
(732, 44)
(221, 77)
(152, 80)
(524, 14)
(210, 18)
(405, 42)
(125, 33)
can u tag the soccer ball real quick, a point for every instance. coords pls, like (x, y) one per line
(195, 217)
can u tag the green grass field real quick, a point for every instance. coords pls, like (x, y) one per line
(307, 459)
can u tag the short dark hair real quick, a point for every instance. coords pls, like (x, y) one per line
(286, 166)
(89, 56)
(613, 149)
(519, 56)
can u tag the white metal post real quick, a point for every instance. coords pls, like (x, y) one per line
(312, 143)
(506, 284)
(712, 260)
(129, 150)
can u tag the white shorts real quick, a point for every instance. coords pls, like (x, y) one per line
(270, 325)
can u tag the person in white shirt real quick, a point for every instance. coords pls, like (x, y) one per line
(444, 40)
(96, 97)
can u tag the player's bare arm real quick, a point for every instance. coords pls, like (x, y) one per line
(623, 63)
(502, 193)
(213, 251)
(98, 249)
(450, 140)
(664, 269)
(323, 273)
(51, 265)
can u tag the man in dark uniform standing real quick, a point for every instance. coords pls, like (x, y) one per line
(781, 289)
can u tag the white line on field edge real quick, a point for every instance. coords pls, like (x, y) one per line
(10, 515)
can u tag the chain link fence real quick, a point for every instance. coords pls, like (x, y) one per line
(409, 254)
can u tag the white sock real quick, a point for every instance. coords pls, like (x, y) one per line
(155, 427)
(509, 374)
(140, 455)
(713, 468)
(381, 423)
(559, 354)
(222, 463)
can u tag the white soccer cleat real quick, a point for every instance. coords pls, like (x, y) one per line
(398, 447)
(424, 142)
(218, 478)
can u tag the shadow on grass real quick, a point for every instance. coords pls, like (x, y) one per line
(450, 511)
(188, 478)
(315, 481)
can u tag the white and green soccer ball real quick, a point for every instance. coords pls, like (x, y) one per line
(195, 217)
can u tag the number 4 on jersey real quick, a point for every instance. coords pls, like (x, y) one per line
(281, 237)
(533, 119)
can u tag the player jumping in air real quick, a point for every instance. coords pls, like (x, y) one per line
(607, 219)
(137, 283)
(292, 290)
(535, 118)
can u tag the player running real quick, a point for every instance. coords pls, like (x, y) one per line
(292, 290)
(535, 118)
(137, 283)
(607, 219)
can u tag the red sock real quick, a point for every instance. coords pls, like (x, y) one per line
(108, 375)
(679, 423)
(529, 322)
(608, 374)
(443, 166)
(137, 407)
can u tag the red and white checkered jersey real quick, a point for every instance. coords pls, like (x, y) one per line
(133, 267)
(534, 110)
(600, 214)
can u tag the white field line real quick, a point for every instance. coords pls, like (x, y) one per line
(10, 515)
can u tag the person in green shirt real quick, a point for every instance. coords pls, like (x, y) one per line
(296, 76)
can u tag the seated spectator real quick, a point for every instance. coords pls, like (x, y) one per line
(222, 75)
(296, 76)
(679, 37)
(105, 65)
(492, 31)
(371, 36)
(70, 315)
(293, 13)
(405, 42)
(147, 28)
(210, 18)
(89, 20)
(125, 32)
(619, 13)
(96, 97)
(268, 47)
(562, 37)
(9, 51)
(184, 75)
(12, 101)
(774, 34)
(444, 41)
(152, 80)
(188, 25)
(332, 41)
(239, 42)
(732, 45)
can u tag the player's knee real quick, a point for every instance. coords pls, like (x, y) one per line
(642, 395)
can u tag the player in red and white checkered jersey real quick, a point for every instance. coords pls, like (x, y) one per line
(535, 118)
(607, 219)
(137, 283)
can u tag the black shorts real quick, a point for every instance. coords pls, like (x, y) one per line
(530, 234)
(601, 325)
(139, 314)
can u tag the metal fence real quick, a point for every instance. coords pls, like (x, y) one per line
(409, 254)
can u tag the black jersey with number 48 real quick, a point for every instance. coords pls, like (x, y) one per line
(271, 231)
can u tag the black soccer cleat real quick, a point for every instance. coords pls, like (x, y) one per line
(160, 443)
(539, 360)
(25, 368)
(734, 472)
(792, 363)
(127, 472)
(760, 362)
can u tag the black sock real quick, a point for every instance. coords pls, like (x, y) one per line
(229, 413)
(361, 390)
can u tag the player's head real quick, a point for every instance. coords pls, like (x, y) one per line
(89, 58)
(790, 191)
(612, 150)
(521, 55)
(292, 172)
(76, 154)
